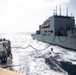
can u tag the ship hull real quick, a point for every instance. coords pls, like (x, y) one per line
(68, 42)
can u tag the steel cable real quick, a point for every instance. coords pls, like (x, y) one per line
(63, 40)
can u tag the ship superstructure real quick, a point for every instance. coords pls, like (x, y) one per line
(58, 30)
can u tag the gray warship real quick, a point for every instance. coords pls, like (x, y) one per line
(58, 30)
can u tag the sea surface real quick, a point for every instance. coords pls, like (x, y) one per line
(32, 57)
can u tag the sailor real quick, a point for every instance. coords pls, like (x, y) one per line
(52, 52)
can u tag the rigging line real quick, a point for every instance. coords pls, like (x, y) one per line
(34, 47)
(53, 40)
(44, 48)
(40, 49)
(31, 47)
(61, 40)
(21, 47)
(24, 47)
(6, 66)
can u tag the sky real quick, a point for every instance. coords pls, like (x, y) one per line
(27, 15)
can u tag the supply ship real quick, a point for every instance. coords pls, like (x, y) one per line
(58, 30)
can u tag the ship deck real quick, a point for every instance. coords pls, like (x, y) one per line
(8, 72)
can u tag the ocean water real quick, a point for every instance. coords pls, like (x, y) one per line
(32, 57)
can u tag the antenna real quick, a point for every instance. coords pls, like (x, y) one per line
(60, 10)
(71, 14)
(56, 10)
(67, 11)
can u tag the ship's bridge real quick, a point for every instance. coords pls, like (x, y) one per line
(58, 25)
(62, 24)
